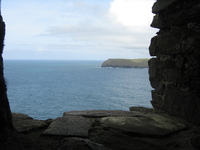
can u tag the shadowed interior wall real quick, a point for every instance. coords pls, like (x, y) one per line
(5, 113)
(175, 69)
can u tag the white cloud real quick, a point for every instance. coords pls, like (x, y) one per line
(132, 13)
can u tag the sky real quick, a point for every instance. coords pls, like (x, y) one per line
(77, 29)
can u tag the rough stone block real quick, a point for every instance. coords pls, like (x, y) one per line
(172, 75)
(98, 113)
(155, 72)
(166, 43)
(183, 104)
(183, 15)
(153, 47)
(179, 61)
(24, 123)
(157, 101)
(195, 85)
(158, 22)
(192, 67)
(162, 5)
(69, 126)
(154, 125)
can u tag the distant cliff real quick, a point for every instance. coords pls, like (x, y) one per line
(126, 63)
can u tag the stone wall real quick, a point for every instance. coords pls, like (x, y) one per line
(5, 113)
(175, 69)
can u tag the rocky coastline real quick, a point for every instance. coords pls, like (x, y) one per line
(140, 128)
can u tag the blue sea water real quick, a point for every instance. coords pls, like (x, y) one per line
(45, 89)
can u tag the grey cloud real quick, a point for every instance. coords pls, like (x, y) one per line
(103, 34)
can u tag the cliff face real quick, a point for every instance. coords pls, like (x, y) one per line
(175, 72)
(5, 114)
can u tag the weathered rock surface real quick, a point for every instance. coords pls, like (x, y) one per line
(154, 125)
(74, 143)
(100, 113)
(119, 141)
(162, 5)
(24, 123)
(70, 126)
(139, 129)
(134, 121)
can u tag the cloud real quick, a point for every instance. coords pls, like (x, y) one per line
(121, 25)
(131, 13)
(82, 29)
(108, 35)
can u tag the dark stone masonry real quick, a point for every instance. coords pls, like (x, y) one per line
(175, 70)
(173, 124)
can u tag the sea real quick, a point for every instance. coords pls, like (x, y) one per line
(46, 88)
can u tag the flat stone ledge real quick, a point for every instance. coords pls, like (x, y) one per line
(140, 120)
(100, 113)
(20, 116)
(79, 123)
(154, 125)
(69, 126)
